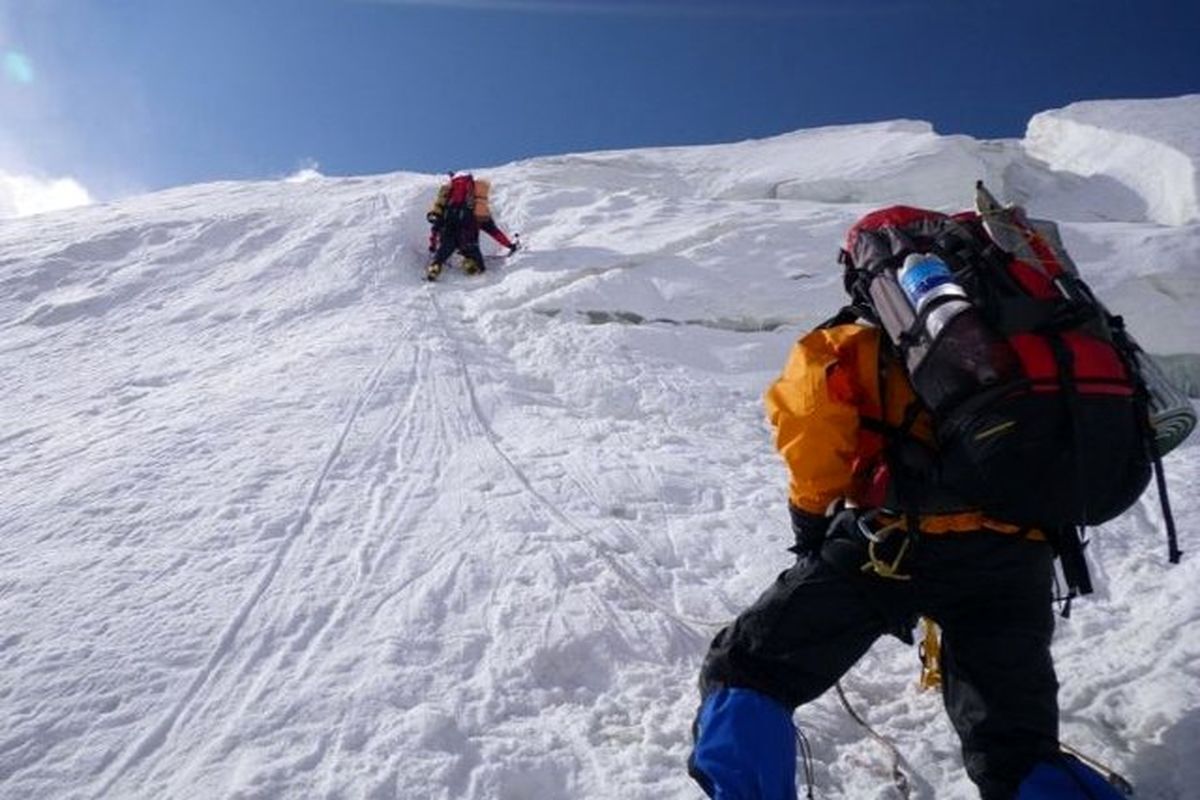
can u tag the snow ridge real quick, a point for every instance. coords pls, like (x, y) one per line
(1134, 142)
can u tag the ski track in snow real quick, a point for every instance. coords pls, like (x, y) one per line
(269, 643)
(160, 731)
(286, 521)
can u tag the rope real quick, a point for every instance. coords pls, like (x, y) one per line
(898, 777)
(806, 760)
(1114, 778)
(696, 626)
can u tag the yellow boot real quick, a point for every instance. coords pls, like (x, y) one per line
(432, 271)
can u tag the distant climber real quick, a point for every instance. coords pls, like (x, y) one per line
(458, 213)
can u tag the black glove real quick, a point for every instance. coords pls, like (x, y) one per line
(434, 219)
(514, 247)
(809, 530)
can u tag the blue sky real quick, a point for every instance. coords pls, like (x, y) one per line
(126, 95)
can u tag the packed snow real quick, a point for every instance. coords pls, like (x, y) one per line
(282, 520)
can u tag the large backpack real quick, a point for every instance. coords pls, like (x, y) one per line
(1039, 407)
(460, 198)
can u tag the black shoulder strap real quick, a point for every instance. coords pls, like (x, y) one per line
(1142, 397)
(1069, 544)
(906, 485)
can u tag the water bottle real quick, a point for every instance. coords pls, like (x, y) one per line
(924, 278)
(954, 354)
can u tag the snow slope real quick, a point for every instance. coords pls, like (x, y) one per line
(282, 520)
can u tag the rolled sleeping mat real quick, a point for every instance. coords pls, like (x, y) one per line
(1172, 414)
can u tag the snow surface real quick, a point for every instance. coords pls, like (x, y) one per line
(281, 520)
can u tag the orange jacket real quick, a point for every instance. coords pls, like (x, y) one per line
(817, 407)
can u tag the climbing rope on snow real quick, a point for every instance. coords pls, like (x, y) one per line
(1114, 778)
(899, 778)
(806, 760)
(695, 626)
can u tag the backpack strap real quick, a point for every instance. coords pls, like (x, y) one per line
(857, 283)
(1069, 542)
(905, 482)
(1141, 395)
(470, 200)
(1160, 481)
(1069, 545)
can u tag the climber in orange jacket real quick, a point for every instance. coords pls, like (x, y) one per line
(459, 212)
(879, 542)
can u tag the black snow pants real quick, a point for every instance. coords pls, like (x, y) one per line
(462, 236)
(990, 593)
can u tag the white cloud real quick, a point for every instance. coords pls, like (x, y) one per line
(308, 170)
(23, 195)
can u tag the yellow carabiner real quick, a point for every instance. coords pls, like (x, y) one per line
(930, 651)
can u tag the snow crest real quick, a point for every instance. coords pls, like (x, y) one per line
(1150, 146)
